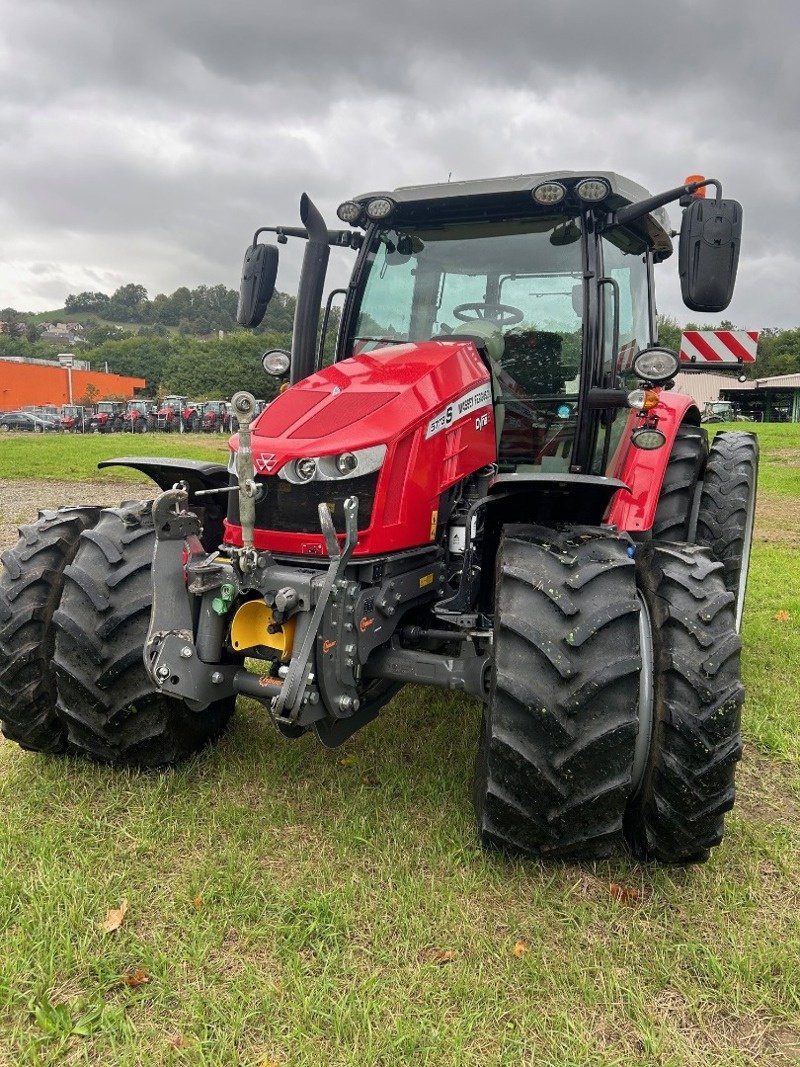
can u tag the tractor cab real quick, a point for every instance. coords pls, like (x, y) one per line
(548, 275)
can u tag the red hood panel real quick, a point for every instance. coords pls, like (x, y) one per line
(428, 403)
(366, 400)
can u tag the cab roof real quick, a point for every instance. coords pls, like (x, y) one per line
(506, 195)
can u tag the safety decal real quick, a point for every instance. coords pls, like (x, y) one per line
(718, 346)
(471, 401)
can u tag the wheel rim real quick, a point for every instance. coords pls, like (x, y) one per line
(646, 709)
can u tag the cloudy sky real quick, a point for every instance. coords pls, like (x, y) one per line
(144, 142)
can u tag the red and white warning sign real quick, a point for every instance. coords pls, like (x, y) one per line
(719, 346)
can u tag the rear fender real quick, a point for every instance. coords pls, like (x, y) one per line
(633, 509)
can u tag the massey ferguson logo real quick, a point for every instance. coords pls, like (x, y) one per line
(265, 462)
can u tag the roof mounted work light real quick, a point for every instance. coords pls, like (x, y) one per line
(381, 207)
(592, 189)
(350, 212)
(549, 193)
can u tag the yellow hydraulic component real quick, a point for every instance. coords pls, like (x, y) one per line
(254, 625)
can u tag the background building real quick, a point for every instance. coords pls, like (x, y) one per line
(40, 381)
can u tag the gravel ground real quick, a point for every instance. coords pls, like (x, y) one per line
(20, 502)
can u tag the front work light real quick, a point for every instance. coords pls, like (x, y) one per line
(549, 193)
(656, 364)
(380, 208)
(349, 211)
(648, 438)
(593, 189)
(276, 362)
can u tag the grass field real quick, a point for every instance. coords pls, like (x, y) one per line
(297, 906)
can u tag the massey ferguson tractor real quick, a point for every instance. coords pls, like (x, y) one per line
(493, 489)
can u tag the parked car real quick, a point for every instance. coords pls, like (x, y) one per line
(25, 422)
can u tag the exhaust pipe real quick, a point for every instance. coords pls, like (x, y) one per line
(309, 294)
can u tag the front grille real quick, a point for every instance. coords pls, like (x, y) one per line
(289, 508)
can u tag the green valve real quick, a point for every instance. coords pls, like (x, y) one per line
(221, 604)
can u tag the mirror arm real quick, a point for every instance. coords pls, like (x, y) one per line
(635, 211)
(342, 238)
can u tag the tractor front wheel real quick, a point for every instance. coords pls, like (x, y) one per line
(727, 508)
(556, 753)
(110, 707)
(30, 589)
(686, 780)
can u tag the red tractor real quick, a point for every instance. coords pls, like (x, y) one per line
(216, 417)
(477, 495)
(107, 418)
(74, 418)
(169, 414)
(139, 417)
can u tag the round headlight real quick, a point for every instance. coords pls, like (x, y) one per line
(276, 362)
(549, 193)
(305, 469)
(656, 364)
(349, 211)
(380, 208)
(346, 463)
(593, 189)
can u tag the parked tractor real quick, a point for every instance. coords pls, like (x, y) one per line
(139, 416)
(478, 495)
(74, 418)
(216, 417)
(107, 417)
(169, 413)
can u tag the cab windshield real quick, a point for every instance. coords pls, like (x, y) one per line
(518, 287)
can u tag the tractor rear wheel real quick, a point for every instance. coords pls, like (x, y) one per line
(112, 710)
(30, 589)
(555, 760)
(686, 786)
(684, 469)
(727, 508)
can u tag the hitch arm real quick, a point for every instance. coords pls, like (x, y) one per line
(294, 685)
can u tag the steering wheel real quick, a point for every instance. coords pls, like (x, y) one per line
(499, 314)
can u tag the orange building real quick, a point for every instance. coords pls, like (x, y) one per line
(41, 382)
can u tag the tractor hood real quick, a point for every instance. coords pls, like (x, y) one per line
(369, 399)
(418, 417)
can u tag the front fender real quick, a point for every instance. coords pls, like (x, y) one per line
(197, 473)
(634, 509)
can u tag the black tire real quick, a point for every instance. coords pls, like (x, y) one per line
(727, 508)
(111, 709)
(555, 757)
(677, 814)
(30, 589)
(684, 470)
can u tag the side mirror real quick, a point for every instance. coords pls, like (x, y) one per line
(708, 254)
(259, 271)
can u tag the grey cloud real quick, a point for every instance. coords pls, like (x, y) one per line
(148, 140)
